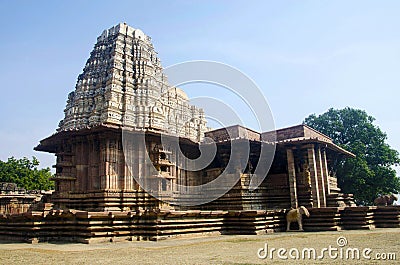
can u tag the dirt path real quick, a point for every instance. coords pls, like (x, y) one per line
(211, 250)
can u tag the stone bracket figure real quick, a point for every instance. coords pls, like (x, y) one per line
(307, 175)
(295, 215)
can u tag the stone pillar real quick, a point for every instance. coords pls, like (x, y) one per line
(81, 164)
(134, 163)
(102, 164)
(111, 167)
(141, 164)
(326, 172)
(115, 166)
(91, 162)
(107, 164)
(314, 176)
(321, 178)
(292, 178)
(126, 179)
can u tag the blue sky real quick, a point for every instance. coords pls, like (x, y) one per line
(306, 56)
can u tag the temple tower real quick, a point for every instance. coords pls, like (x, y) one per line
(122, 88)
(123, 84)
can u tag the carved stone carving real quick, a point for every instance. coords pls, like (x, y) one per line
(123, 84)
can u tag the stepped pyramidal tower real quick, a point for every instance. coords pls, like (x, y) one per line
(122, 88)
(123, 84)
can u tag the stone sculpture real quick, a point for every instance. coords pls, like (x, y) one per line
(295, 215)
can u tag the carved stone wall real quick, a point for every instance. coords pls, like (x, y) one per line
(14, 200)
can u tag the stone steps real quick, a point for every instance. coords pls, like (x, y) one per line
(89, 227)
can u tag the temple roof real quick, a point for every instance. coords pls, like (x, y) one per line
(295, 132)
(294, 135)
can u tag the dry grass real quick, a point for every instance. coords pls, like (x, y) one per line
(202, 250)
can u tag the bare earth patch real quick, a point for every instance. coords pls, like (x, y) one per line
(207, 250)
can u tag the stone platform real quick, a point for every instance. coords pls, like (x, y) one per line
(92, 227)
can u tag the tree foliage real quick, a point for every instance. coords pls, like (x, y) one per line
(371, 172)
(26, 174)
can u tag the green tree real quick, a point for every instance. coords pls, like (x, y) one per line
(371, 172)
(26, 174)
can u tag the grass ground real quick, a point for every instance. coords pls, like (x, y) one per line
(208, 250)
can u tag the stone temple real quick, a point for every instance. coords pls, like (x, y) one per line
(117, 177)
(123, 86)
